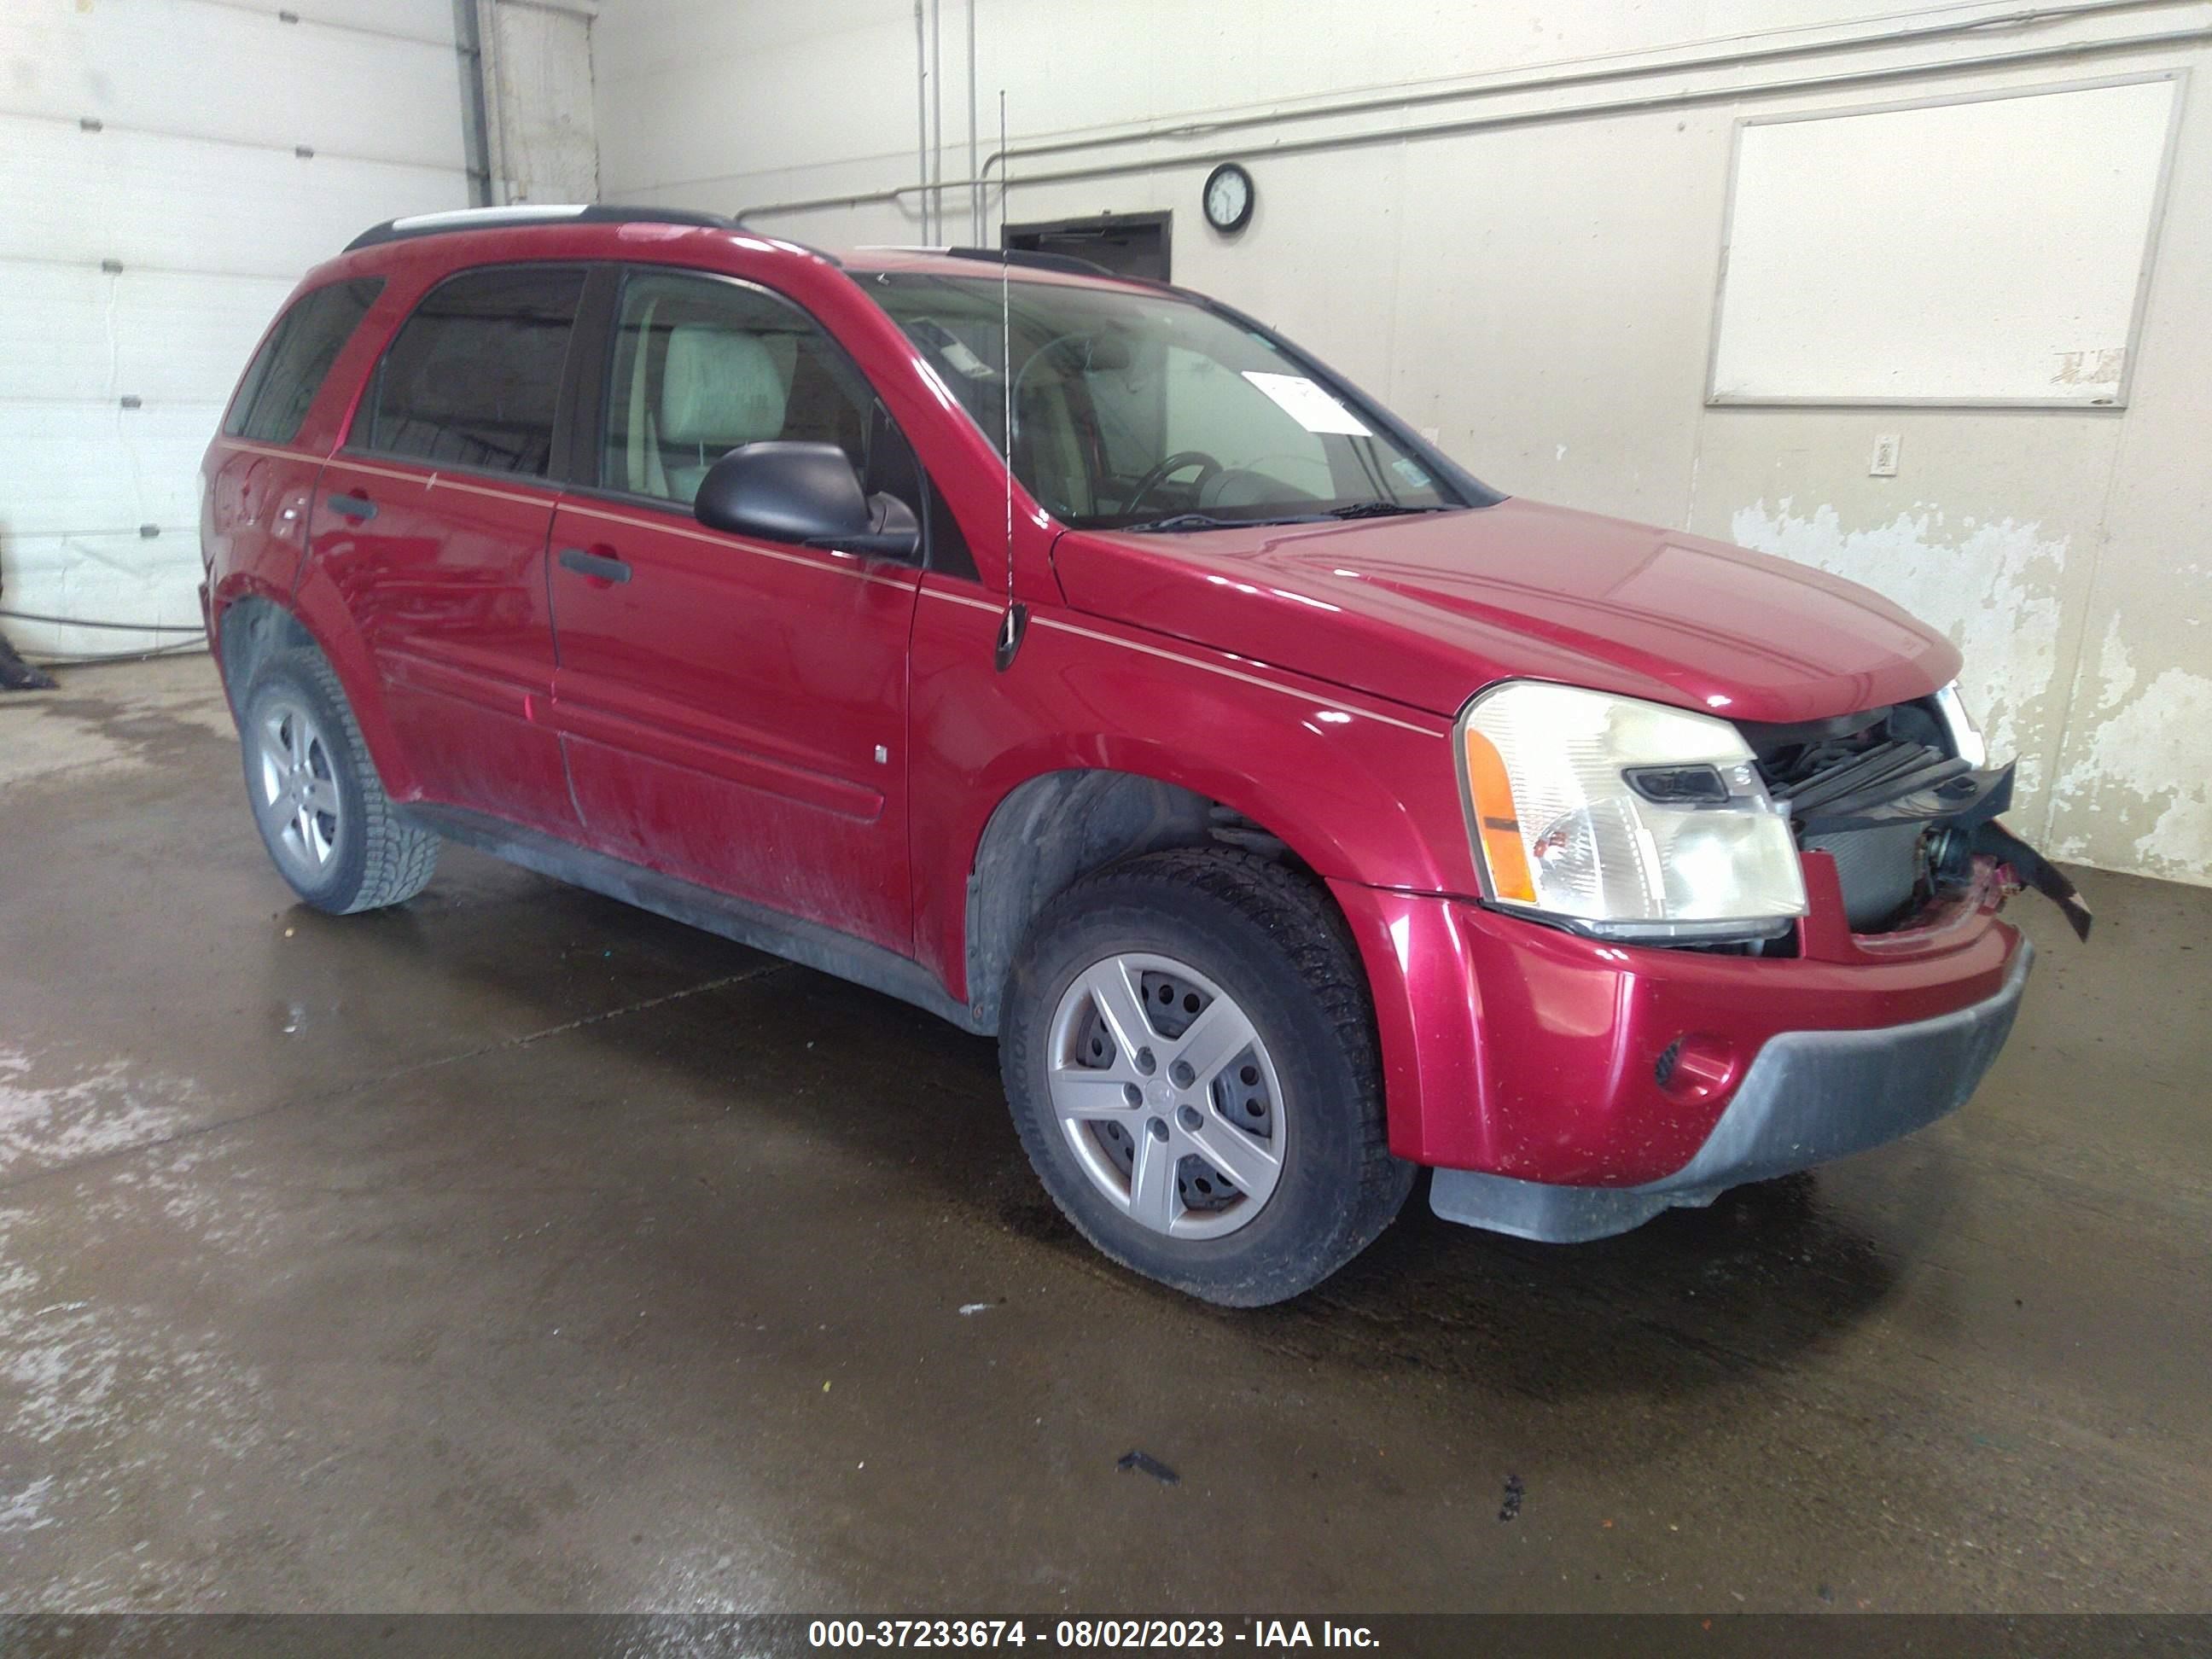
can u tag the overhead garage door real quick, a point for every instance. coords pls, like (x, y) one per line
(169, 168)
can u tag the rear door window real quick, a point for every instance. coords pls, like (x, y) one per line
(281, 380)
(473, 379)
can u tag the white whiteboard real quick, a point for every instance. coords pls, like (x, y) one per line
(1990, 250)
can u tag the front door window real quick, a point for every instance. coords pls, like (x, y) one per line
(702, 366)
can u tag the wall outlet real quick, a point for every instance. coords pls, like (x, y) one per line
(1883, 462)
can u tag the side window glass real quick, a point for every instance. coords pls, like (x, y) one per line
(286, 374)
(474, 377)
(701, 366)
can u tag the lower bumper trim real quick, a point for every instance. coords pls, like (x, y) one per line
(1809, 1097)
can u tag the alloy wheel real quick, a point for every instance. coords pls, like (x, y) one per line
(296, 793)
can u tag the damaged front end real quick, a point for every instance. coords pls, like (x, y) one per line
(1897, 798)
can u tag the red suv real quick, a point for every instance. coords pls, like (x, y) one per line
(1076, 658)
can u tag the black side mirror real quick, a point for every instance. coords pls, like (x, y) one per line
(802, 493)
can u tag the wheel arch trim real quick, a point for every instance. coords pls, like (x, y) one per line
(314, 612)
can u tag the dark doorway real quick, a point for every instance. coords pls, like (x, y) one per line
(1127, 244)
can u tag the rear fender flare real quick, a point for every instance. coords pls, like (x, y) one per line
(317, 609)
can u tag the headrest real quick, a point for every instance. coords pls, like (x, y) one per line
(718, 388)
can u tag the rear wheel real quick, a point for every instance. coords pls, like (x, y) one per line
(1189, 1053)
(321, 809)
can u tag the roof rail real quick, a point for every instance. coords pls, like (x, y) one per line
(530, 213)
(1030, 258)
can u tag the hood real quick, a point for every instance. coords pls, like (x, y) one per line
(1426, 610)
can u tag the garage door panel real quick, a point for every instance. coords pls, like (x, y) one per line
(97, 469)
(192, 186)
(100, 579)
(173, 68)
(70, 196)
(424, 20)
(71, 334)
(27, 26)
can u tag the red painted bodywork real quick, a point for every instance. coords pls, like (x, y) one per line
(1406, 609)
(847, 712)
(747, 687)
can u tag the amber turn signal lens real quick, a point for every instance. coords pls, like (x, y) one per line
(1496, 821)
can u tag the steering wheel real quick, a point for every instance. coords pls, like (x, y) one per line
(1152, 480)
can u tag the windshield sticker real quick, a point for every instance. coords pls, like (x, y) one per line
(952, 349)
(1412, 472)
(1308, 404)
(966, 362)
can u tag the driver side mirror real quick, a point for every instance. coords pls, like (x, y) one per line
(806, 494)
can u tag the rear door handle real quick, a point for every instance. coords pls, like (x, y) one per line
(353, 507)
(597, 566)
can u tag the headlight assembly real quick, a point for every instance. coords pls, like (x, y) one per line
(1623, 818)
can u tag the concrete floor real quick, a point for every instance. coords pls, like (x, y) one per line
(517, 1250)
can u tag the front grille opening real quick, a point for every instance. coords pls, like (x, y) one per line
(1890, 873)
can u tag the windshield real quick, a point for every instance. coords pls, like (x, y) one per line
(1146, 411)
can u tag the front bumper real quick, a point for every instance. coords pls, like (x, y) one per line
(1809, 1096)
(1515, 1049)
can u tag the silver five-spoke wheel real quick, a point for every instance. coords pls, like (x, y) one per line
(1167, 1096)
(296, 791)
(1189, 1053)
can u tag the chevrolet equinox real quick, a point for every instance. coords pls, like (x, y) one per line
(1079, 660)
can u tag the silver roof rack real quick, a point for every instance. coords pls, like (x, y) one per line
(530, 213)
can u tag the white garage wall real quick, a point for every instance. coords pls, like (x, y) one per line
(1539, 288)
(169, 168)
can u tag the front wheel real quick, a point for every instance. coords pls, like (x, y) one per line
(1190, 1056)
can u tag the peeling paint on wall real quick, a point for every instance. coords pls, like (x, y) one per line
(1992, 588)
(2136, 759)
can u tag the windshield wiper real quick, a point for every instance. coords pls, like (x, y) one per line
(1377, 510)
(1179, 521)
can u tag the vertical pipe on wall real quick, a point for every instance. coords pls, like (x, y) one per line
(475, 139)
(974, 154)
(937, 114)
(491, 70)
(921, 111)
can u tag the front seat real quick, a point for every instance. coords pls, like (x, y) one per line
(719, 389)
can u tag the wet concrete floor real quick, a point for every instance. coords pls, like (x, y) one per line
(517, 1250)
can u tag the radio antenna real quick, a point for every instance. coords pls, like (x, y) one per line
(1017, 615)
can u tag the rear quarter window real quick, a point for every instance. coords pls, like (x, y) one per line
(281, 381)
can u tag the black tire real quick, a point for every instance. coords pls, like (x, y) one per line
(374, 858)
(1270, 940)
